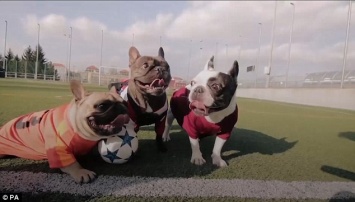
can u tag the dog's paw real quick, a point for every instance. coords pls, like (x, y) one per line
(83, 176)
(197, 159)
(166, 137)
(218, 161)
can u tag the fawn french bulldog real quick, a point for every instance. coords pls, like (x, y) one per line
(61, 133)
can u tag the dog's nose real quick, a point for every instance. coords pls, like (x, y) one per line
(199, 89)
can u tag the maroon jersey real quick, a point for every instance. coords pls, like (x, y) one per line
(198, 126)
(156, 116)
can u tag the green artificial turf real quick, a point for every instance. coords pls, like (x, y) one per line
(45, 197)
(271, 141)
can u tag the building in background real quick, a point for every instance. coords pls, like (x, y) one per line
(92, 68)
(61, 70)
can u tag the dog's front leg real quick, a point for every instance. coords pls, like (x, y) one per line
(79, 174)
(169, 121)
(216, 153)
(196, 157)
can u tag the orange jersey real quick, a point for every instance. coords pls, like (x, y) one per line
(47, 134)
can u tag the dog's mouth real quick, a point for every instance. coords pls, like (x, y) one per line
(111, 127)
(155, 85)
(199, 108)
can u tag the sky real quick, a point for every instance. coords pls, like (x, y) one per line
(190, 32)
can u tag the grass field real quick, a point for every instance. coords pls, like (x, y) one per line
(271, 141)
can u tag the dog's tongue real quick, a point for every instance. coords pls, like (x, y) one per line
(198, 107)
(120, 120)
(157, 83)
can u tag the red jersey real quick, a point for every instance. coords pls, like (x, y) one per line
(198, 126)
(156, 116)
(47, 134)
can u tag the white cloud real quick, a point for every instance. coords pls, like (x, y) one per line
(318, 37)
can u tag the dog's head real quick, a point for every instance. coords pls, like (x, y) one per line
(99, 114)
(211, 90)
(150, 74)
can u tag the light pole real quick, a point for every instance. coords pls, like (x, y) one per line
(102, 42)
(44, 72)
(272, 47)
(5, 66)
(36, 69)
(257, 58)
(16, 70)
(289, 46)
(188, 68)
(216, 54)
(70, 36)
(346, 46)
(132, 39)
(201, 49)
(240, 48)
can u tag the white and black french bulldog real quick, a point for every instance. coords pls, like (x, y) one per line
(207, 106)
(146, 92)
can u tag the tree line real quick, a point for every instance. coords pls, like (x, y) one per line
(27, 62)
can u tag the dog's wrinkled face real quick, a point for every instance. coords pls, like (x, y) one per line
(151, 75)
(212, 91)
(99, 114)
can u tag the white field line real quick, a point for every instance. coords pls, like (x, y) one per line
(183, 187)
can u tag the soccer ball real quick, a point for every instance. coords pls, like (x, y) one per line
(120, 148)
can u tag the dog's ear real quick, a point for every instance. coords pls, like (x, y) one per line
(77, 89)
(133, 55)
(210, 64)
(161, 52)
(113, 89)
(234, 70)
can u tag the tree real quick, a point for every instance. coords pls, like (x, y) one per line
(28, 54)
(27, 64)
(9, 63)
(41, 59)
(17, 58)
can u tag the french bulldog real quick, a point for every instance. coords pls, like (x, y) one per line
(61, 133)
(206, 106)
(146, 92)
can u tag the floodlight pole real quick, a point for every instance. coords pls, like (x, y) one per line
(36, 69)
(188, 68)
(102, 42)
(346, 46)
(240, 48)
(272, 47)
(71, 36)
(257, 58)
(5, 66)
(290, 43)
(133, 39)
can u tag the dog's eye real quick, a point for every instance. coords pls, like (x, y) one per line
(145, 65)
(103, 106)
(193, 83)
(216, 87)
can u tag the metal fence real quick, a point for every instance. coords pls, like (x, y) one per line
(331, 79)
